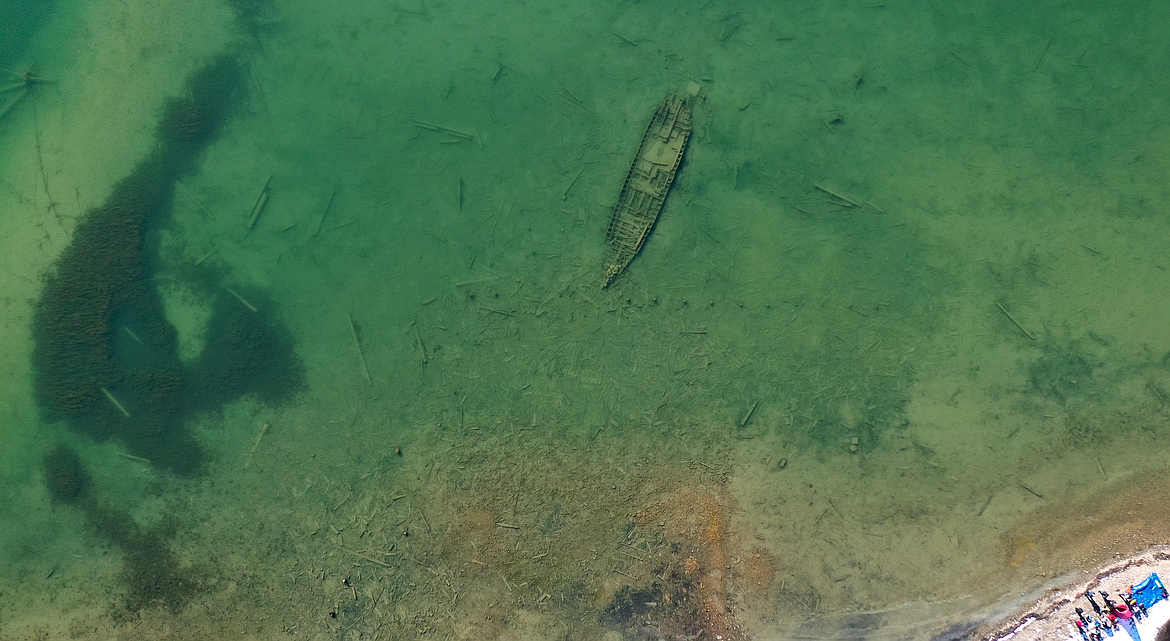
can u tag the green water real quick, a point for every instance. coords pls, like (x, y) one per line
(936, 228)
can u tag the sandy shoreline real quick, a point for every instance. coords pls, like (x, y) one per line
(1051, 614)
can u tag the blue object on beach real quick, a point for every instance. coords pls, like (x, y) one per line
(1149, 591)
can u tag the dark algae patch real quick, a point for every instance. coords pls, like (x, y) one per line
(244, 352)
(106, 358)
(101, 334)
(191, 122)
(151, 574)
(66, 478)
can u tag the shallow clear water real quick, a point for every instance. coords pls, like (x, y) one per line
(933, 228)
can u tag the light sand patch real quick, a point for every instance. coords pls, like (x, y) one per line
(189, 314)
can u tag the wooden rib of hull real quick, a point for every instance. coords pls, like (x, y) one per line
(647, 183)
